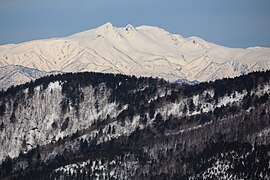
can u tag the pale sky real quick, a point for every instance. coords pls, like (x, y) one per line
(233, 23)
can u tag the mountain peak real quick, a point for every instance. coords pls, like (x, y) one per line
(129, 27)
(107, 25)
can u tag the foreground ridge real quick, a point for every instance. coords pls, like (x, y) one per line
(94, 125)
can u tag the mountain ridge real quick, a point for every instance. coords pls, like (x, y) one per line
(135, 127)
(141, 51)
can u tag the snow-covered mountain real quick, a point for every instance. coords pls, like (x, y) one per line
(11, 75)
(140, 51)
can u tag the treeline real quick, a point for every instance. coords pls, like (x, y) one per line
(85, 79)
(221, 86)
(125, 89)
(132, 90)
(227, 86)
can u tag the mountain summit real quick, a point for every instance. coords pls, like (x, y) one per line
(141, 51)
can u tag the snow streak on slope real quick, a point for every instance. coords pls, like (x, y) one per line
(140, 51)
(41, 119)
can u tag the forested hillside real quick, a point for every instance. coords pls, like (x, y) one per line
(105, 126)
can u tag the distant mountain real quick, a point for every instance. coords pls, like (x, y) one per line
(105, 126)
(140, 51)
(11, 75)
(184, 81)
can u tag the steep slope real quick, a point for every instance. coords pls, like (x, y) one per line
(140, 51)
(91, 125)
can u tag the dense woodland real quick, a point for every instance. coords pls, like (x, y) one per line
(224, 137)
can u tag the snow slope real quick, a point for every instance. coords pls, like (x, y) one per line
(140, 51)
(11, 75)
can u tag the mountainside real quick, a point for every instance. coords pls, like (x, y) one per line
(105, 126)
(141, 51)
(12, 75)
